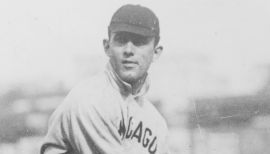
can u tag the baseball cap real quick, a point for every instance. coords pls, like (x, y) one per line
(135, 19)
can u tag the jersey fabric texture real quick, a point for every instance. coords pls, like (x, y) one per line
(101, 116)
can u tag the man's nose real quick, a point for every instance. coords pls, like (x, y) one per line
(129, 49)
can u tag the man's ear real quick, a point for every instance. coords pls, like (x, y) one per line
(106, 47)
(157, 52)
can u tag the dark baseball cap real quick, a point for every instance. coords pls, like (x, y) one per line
(135, 19)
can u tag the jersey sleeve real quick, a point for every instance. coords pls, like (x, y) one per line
(165, 146)
(80, 126)
(57, 139)
(164, 142)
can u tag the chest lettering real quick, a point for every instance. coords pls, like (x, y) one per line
(142, 134)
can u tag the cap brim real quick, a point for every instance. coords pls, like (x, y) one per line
(120, 27)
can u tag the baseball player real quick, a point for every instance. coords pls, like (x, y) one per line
(108, 114)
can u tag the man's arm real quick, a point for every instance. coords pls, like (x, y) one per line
(80, 127)
(165, 137)
(57, 139)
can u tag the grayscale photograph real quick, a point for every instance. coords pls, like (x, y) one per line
(135, 77)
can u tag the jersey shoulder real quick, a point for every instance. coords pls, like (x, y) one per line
(87, 92)
(156, 114)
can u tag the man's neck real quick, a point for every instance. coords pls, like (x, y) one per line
(137, 85)
(133, 87)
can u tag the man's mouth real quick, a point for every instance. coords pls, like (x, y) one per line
(129, 63)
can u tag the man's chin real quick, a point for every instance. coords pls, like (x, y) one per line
(129, 77)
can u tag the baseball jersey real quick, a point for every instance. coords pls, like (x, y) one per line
(101, 116)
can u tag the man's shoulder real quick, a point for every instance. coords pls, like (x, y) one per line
(156, 114)
(91, 84)
(88, 90)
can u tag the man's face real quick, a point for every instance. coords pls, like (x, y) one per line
(131, 55)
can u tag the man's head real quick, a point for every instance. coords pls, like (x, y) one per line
(133, 39)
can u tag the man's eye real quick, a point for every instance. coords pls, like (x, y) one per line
(121, 39)
(124, 38)
(139, 41)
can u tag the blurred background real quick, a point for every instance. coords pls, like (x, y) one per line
(212, 82)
